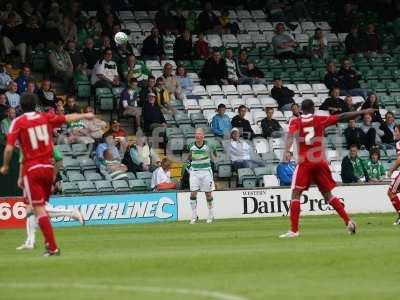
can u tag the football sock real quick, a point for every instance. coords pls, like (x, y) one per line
(210, 208)
(294, 215)
(47, 230)
(339, 207)
(396, 203)
(193, 205)
(30, 230)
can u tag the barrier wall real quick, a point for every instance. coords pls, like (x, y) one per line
(171, 206)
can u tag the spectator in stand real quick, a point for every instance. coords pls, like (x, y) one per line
(372, 45)
(164, 19)
(231, 66)
(31, 87)
(371, 134)
(104, 12)
(214, 70)
(388, 130)
(318, 45)
(13, 37)
(150, 87)
(163, 97)
(285, 170)
(6, 11)
(161, 179)
(34, 33)
(284, 45)
(201, 47)
(185, 81)
(130, 102)
(61, 64)
(6, 122)
(227, 25)
(353, 134)
(282, 95)
(113, 166)
(109, 143)
(334, 104)
(77, 58)
(90, 54)
(241, 64)
(68, 30)
(254, 75)
(207, 20)
(345, 19)
(295, 108)
(242, 124)
(91, 30)
(23, 79)
(5, 78)
(3, 106)
(47, 97)
(191, 21)
(349, 81)
(119, 134)
(171, 82)
(105, 72)
(241, 153)
(269, 126)
(71, 106)
(373, 102)
(134, 69)
(221, 124)
(353, 167)
(350, 106)
(353, 41)
(153, 46)
(374, 167)
(121, 52)
(95, 126)
(183, 47)
(169, 41)
(152, 115)
(77, 133)
(141, 157)
(110, 27)
(332, 78)
(12, 96)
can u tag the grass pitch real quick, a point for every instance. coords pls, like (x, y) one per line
(227, 260)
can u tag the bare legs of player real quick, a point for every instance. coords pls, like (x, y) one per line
(193, 205)
(46, 228)
(329, 198)
(394, 199)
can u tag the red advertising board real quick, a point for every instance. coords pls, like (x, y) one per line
(12, 212)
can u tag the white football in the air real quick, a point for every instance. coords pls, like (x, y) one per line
(120, 38)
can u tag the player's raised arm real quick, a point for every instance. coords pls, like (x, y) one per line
(77, 117)
(355, 114)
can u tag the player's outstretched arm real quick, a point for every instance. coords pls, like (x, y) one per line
(77, 117)
(352, 115)
(288, 145)
(8, 151)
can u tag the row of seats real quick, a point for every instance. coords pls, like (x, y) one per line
(105, 186)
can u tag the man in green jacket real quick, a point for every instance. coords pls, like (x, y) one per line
(353, 167)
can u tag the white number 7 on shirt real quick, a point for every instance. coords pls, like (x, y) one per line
(38, 133)
(309, 134)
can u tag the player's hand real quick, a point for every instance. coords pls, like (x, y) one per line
(4, 170)
(370, 110)
(20, 183)
(89, 116)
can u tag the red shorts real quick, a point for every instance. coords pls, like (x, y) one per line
(395, 185)
(307, 173)
(38, 184)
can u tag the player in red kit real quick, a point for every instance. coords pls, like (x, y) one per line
(394, 188)
(32, 132)
(312, 166)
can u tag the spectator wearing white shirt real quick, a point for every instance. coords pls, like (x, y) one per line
(241, 153)
(12, 96)
(161, 179)
(105, 72)
(5, 78)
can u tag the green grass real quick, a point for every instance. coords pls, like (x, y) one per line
(242, 258)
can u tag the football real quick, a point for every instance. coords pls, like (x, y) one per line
(121, 38)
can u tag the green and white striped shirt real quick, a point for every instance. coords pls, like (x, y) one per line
(231, 66)
(201, 157)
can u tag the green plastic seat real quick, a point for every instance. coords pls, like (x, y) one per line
(75, 176)
(71, 164)
(247, 178)
(138, 184)
(69, 188)
(80, 150)
(143, 175)
(120, 186)
(86, 187)
(92, 176)
(87, 164)
(104, 186)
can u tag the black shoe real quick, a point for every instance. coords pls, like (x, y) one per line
(48, 253)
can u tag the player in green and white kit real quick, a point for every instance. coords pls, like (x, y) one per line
(201, 175)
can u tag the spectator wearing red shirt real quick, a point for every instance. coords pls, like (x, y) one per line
(119, 135)
(201, 46)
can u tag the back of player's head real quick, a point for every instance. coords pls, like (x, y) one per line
(28, 102)
(307, 106)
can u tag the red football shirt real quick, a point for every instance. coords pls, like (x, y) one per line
(309, 132)
(33, 134)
